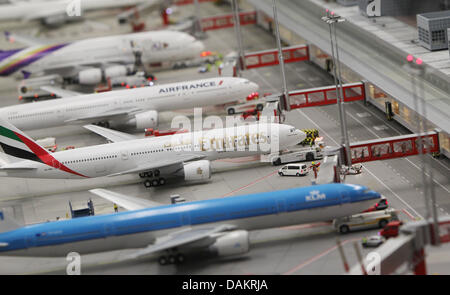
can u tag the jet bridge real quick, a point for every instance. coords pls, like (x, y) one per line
(226, 21)
(270, 57)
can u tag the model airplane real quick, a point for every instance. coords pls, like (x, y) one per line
(91, 61)
(185, 153)
(218, 225)
(137, 107)
(57, 12)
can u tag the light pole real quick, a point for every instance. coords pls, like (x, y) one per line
(237, 30)
(285, 105)
(331, 19)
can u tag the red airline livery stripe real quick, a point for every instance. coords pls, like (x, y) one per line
(45, 156)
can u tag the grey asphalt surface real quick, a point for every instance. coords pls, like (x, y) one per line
(302, 249)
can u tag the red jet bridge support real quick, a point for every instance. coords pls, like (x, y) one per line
(270, 57)
(394, 147)
(226, 21)
(325, 95)
(187, 2)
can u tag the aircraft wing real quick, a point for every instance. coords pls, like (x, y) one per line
(60, 92)
(47, 11)
(112, 135)
(26, 40)
(173, 160)
(128, 14)
(181, 238)
(127, 202)
(103, 116)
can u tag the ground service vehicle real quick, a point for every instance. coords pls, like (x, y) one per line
(365, 220)
(293, 170)
(296, 154)
(391, 229)
(372, 241)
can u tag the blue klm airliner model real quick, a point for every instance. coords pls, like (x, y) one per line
(219, 225)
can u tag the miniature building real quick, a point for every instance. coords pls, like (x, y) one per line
(397, 7)
(432, 29)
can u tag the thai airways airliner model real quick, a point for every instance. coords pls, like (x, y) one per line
(136, 107)
(218, 225)
(184, 153)
(90, 61)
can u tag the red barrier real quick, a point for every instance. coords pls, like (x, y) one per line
(325, 95)
(226, 21)
(270, 57)
(393, 147)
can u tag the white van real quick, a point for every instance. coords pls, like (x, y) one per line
(296, 169)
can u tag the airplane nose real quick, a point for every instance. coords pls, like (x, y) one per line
(198, 47)
(253, 87)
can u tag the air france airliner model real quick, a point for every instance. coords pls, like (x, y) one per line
(136, 107)
(218, 225)
(184, 153)
(91, 61)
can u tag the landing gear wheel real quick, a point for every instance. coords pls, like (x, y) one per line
(231, 111)
(382, 223)
(155, 182)
(162, 260)
(162, 181)
(277, 162)
(147, 183)
(156, 173)
(149, 174)
(172, 259)
(344, 229)
(180, 258)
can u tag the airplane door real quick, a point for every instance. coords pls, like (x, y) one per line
(124, 155)
(281, 206)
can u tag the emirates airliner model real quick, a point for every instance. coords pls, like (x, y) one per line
(90, 61)
(184, 153)
(136, 107)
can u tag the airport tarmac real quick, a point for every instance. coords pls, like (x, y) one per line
(302, 249)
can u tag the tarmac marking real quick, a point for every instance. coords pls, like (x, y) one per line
(408, 214)
(303, 226)
(402, 158)
(400, 133)
(318, 256)
(379, 180)
(250, 184)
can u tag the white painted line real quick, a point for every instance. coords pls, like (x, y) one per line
(398, 197)
(402, 158)
(363, 115)
(380, 127)
(379, 180)
(400, 133)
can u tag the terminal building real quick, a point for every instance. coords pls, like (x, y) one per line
(374, 49)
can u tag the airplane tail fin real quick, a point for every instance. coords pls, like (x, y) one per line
(7, 223)
(16, 144)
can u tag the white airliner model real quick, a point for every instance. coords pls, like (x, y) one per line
(218, 225)
(56, 12)
(136, 107)
(91, 61)
(184, 153)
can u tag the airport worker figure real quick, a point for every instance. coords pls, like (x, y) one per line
(116, 208)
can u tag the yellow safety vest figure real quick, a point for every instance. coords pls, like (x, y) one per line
(116, 209)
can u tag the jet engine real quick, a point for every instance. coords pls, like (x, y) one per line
(232, 243)
(116, 71)
(197, 170)
(148, 119)
(90, 76)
